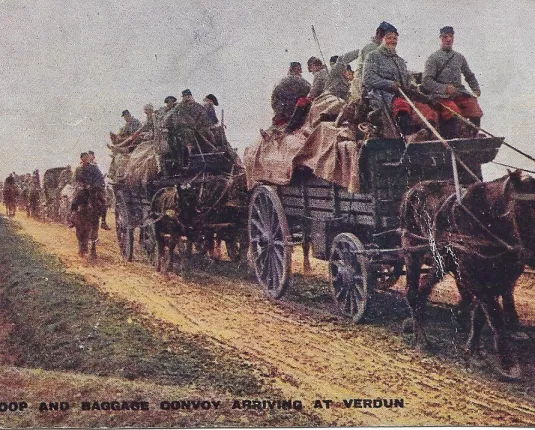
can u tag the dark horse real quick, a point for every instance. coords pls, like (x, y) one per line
(484, 241)
(10, 196)
(86, 219)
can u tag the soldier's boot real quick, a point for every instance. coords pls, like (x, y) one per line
(404, 123)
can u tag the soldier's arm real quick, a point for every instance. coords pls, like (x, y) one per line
(469, 76)
(349, 57)
(372, 77)
(429, 79)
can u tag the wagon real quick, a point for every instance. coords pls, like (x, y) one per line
(204, 174)
(356, 232)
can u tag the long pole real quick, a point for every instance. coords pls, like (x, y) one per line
(319, 47)
(471, 124)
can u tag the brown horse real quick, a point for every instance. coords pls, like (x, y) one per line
(86, 220)
(167, 227)
(484, 241)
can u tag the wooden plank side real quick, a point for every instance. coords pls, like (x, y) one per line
(323, 204)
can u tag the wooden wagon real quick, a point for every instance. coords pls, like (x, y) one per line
(215, 172)
(358, 233)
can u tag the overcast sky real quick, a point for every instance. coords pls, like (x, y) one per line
(70, 67)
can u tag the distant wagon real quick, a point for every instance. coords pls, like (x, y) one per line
(207, 184)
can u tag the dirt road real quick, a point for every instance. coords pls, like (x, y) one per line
(309, 354)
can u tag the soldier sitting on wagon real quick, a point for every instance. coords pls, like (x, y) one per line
(384, 74)
(442, 79)
(189, 131)
(286, 94)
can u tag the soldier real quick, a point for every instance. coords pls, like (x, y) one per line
(384, 74)
(341, 75)
(442, 79)
(318, 69)
(92, 161)
(209, 102)
(87, 175)
(131, 126)
(286, 94)
(356, 84)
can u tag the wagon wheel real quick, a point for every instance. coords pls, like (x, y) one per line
(270, 247)
(348, 274)
(387, 274)
(125, 233)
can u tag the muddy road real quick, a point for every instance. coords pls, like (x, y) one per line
(307, 351)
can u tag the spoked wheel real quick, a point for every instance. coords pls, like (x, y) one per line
(125, 233)
(387, 274)
(269, 239)
(348, 273)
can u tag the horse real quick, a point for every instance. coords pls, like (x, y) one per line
(86, 219)
(10, 195)
(484, 241)
(167, 226)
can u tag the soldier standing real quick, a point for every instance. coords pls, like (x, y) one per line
(443, 80)
(92, 161)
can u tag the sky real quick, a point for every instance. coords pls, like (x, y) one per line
(69, 68)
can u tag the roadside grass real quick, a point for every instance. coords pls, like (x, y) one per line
(60, 323)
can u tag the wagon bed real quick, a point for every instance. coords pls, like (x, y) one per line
(357, 232)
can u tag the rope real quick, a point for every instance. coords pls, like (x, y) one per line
(513, 167)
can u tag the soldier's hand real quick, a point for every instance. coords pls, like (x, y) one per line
(450, 89)
(477, 93)
(395, 87)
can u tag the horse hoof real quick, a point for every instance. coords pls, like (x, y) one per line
(512, 374)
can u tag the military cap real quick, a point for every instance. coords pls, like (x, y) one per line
(387, 27)
(446, 30)
(295, 64)
(170, 99)
(83, 154)
(213, 98)
(333, 59)
(125, 112)
(186, 93)
(149, 106)
(90, 152)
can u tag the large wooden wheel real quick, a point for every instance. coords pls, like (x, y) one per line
(269, 239)
(125, 232)
(348, 274)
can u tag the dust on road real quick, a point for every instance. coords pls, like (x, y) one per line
(305, 353)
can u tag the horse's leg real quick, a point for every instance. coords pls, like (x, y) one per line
(494, 312)
(477, 322)
(172, 246)
(413, 264)
(417, 296)
(160, 243)
(465, 305)
(512, 321)
(94, 238)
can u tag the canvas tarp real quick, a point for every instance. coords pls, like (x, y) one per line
(330, 152)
